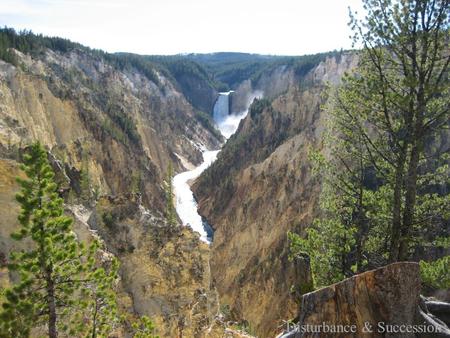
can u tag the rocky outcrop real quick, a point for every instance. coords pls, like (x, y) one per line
(270, 84)
(111, 134)
(118, 124)
(260, 187)
(164, 269)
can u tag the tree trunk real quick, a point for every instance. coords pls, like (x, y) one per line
(52, 333)
(411, 179)
(410, 201)
(360, 222)
(396, 209)
(94, 320)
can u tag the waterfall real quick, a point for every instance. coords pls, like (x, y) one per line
(221, 108)
(226, 121)
(185, 203)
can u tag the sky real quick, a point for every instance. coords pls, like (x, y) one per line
(278, 27)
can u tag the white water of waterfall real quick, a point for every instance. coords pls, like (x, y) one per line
(226, 122)
(185, 203)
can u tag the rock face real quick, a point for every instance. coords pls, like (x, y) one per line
(365, 303)
(270, 84)
(260, 187)
(164, 269)
(90, 114)
(111, 134)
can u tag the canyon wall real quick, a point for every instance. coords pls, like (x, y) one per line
(111, 134)
(261, 187)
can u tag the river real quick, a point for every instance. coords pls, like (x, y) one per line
(185, 203)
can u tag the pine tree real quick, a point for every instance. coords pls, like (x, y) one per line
(401, 93)
(100, 306)
(384, 183)
(56, 265)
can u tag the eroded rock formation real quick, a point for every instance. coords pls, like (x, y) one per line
(111, 134)
(260, 187)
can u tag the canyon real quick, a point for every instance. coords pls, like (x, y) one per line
(238, 142)
(259, 188)
(111, 134)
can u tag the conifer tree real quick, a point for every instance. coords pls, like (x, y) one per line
(99, 300)
(52, 271)
(401, 96)
(386, 172)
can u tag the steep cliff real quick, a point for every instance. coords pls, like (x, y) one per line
(194, 81)
(111, 133)
(259, 188)
(121, 122)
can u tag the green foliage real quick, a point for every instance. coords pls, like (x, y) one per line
(245, 327)
(127, 61)
(300, 64)
(258, 105)
(108, 219)
(136, 181)
(56, 268)
(232, 75)
(385, 185)
(208, 123)
(436, 274)
(5, 53)
(300, 289)
(144, 328)
(124, 122)
(225, 311)
(30, 43)
(399, 112)
(329, 241)
(180, 67)
(85, 179)
(114, 132)
(192, 79)
(233, 68)
(99, 301)
(52, 266)
(27, 42)
(120, 126)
